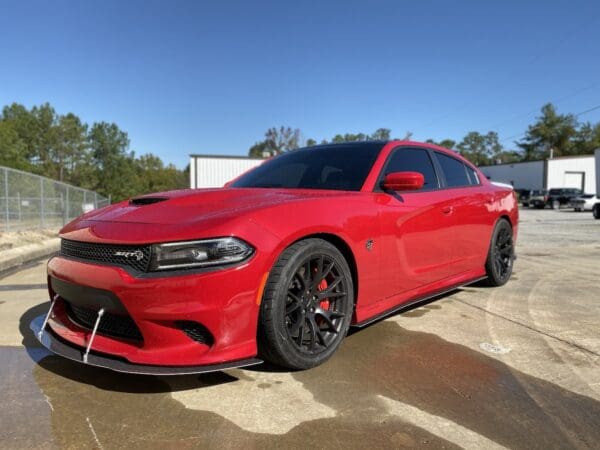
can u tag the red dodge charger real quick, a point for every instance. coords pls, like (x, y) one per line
(278, 264)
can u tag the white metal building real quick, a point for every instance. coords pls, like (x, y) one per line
(208, 171)
(598, 171)
(568, 171)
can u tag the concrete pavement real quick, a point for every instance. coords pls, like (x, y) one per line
(512, 367)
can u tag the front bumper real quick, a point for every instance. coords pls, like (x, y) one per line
(224, 302)
(60, 347)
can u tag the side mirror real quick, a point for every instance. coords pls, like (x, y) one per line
(403, 181)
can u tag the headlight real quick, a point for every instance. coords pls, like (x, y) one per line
(207, 252)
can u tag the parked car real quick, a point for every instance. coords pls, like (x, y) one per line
(538, 198)
(523, 196)
(556, 197)
(584, 202)
(279, 264)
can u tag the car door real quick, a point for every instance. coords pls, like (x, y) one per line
(416, 226)
(469, 201)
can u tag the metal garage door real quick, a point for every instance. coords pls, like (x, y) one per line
(573, 180)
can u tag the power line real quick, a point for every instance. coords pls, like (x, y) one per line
(587, 111)
(594, 108)
(557, 101)
(584, 25)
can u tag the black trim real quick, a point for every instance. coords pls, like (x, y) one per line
(161, 273)
(402, 306)
(60, 347)
(166, 272)
(87, 297)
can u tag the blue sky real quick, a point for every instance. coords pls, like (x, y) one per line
(211, 77)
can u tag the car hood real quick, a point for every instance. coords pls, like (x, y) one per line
(192, 205)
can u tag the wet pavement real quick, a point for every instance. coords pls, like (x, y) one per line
(515, 367)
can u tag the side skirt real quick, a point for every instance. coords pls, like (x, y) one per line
(415, 301)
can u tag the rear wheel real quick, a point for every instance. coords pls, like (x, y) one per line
(500, 257)
(307, 305)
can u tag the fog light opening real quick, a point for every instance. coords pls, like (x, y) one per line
(196, 331)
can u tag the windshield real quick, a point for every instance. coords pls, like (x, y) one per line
(341, 167)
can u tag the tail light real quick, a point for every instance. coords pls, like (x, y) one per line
(545, 198)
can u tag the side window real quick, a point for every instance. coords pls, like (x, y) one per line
(473, 178)
(412, 160)
(454, 170)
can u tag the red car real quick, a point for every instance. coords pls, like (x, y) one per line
(278, 264)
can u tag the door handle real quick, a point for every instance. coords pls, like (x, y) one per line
(447, 210)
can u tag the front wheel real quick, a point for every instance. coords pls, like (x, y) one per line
(596, 211)
(499, 263)
(307, 305)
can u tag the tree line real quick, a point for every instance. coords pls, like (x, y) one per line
(95, 157)
(552, 134)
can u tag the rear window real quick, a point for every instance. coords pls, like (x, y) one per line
(454, 171)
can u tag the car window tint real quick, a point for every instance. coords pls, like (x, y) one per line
(337, 167)
(454, 170)
(473, 177)
(286, 174)
(413, 160)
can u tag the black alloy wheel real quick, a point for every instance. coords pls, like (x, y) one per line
(307, 305)
(499, 263)
(315, 304)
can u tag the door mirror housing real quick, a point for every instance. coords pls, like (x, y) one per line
(403, 181)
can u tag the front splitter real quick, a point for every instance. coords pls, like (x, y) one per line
(59, 347)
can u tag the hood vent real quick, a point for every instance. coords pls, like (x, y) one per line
(141, 201)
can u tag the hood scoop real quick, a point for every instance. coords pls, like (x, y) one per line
(141, 201)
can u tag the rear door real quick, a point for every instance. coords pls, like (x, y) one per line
(470, 201)
(416, 226)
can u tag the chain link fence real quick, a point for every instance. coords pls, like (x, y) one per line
(29, 201)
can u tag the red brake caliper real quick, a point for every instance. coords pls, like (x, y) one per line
(321, 287)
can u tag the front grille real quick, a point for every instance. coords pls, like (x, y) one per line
(110, 324)
(135, 256)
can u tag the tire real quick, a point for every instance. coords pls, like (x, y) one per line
(555, 204)
(299, 326)
(499, 262)
(596, 211)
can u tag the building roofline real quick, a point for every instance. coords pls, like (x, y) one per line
(538, 160)
(200, 155)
